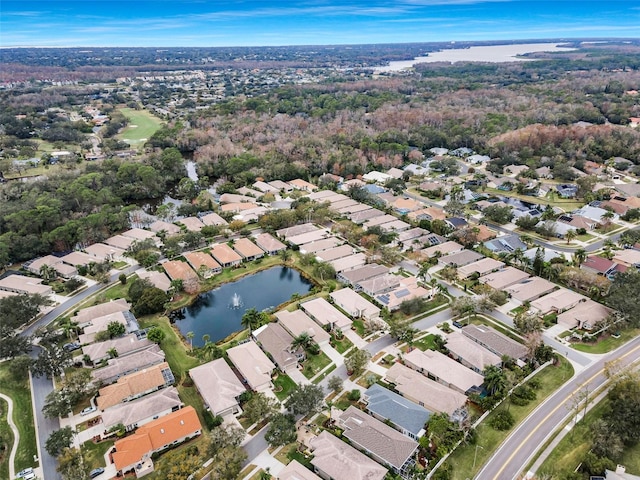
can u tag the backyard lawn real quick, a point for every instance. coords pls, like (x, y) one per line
(341, 345)
(461, 461)
(142, 125)
(19, 392)
(93, 453)
(425, 343)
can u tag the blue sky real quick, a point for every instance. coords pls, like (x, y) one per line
(161, 23)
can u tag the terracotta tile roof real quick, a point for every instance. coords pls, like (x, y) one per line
(199, 259)
(179, 270)
(246, 248)
(224, 254)
(155, 435)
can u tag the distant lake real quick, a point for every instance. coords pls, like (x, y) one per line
(492, 54)
(214, 312)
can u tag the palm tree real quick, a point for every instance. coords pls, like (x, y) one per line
(190, 336)
(494, 380)
(205, 338)
(251, 319)
(424, 270)
(579, 256)
(285, 255)
(303, 340)
(47, 273)
(570, 236)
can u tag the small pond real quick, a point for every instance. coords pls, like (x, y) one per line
(218, 312)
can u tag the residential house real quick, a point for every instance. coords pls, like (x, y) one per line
(567, 190)
(281, 186)
(407, 289)
(120, 366)
(320, 245)
(225, 255)
(557, 301)
(247, 249)
(335, 253)
(460, 259)
(179, 270)
(87, 314)
(357, 275)
(140, 235)
(203, 263)
(405, 205)
(379, 285)
(297, 323)
(296, 471)
(428, 213)
(427, 393)
(495, 341)
(627, 257)
(325, 314)
(100, 324)
(407, 236)
(278, 344)
(309, 237)
(78, 259)
(503, 278)
(160, 226)
(346, 203)
(102, 253)
(354, 305)
(441, 249)
(296, 230)
(157, 279)
(270, 244)
(376, 177)
(577, 222)
(213, 219)
(456, 222)
(444, 370)
(123, 346)
(596, 214)
(133, 453)
(300, 184)
(334, 459)
(379, 221)
(478, 159)
(482, 267)
(24, 285)
(135, 385)
(382, 442)
(119, 241)
(218, 386)
(56, 263)
(470, 354)
(193, 224)
(364, 215)
(395, 172)
(598, 265)
(507, 244)
(234, 199)
(141, 411)
(349, 263)
(584, 315)
(530, 289)
(265, 187)
(405, 416)
(253, 365)
(358, 207)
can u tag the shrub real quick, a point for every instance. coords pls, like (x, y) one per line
(502, 420)
(354, 395)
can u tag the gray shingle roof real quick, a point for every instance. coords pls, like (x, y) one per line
(397, 409)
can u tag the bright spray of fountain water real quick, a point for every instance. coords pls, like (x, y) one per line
(236, 301)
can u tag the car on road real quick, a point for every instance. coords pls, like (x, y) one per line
(96, 472)
(88, 410)
(457, 324)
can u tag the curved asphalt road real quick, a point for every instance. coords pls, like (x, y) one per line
(42, 386)
(518, 449)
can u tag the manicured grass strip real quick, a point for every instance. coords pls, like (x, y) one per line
(142, 125)
(425, 343)
(20, 393)
(461, 461)
(324, 374)
(283, 386)
(342, 345)
(7, 439)
(609, 343)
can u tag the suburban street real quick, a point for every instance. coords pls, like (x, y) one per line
(518, 449)
(40, 388)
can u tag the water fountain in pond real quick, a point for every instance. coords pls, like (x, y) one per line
(236, 301)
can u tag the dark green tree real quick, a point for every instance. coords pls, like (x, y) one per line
(282, 430)
(59, 440)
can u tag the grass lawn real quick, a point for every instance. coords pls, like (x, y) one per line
(324, 374)
(142, 125)
(93, 453)
(175, 350)
(7, 440)
(290, 452)
(607, 344)
(20, 393)
(425, 343)
(284, 384)
(342, 345)
(314, 364)
(359, 326)
(461, 461)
